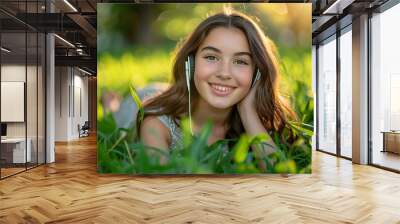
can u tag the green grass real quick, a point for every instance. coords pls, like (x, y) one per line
(119, 151)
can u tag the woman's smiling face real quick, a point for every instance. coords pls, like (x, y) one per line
(223, 67)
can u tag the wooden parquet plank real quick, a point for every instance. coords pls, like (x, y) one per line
(70, 191)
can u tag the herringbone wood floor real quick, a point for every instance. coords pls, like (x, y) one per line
(70, 191)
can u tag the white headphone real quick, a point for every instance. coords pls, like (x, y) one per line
(189, 70)
(189, 66)
(258, 75)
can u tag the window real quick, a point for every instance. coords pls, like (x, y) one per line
(346, 75)
(385, 88)
(327, 96)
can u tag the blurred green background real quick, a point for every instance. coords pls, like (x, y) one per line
(135, 44)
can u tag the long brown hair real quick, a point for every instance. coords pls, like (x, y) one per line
(273, 110)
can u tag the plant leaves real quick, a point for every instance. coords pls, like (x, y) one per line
(241, 149)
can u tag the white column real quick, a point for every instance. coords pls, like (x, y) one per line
(50, 93)
(360, 90)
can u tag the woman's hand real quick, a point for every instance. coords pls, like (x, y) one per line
(248, 104)
(248, 114)
(251, 121)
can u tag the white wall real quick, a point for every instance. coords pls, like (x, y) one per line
(12, 101)
(61, 103)
(71, 94)
(33, 126)
(10, 73)
(14, 73)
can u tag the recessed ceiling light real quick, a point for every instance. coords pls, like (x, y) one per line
(84, 71)
(5, 49)
(337, 7)
(70, 5)
(64, 40)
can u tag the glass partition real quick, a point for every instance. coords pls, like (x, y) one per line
(385, 89)
(13, 105)
(22, 87)
(31, 97)
(346, 93)
(327, 95)
(41, 110)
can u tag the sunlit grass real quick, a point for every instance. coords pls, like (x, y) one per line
(119, 151)
(115, 73)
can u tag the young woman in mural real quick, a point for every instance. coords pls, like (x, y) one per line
(226, 71)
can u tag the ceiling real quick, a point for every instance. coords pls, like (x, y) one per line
(332, 15)
(75, 21)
